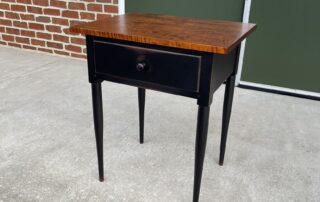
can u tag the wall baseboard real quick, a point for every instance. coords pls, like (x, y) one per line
(280, 90)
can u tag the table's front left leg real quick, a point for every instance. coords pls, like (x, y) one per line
(98, 123)
(227, 106)
(201, 142)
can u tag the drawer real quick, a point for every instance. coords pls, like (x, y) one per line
(147, 65)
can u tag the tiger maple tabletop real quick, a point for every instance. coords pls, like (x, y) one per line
(182, 56)
(213, 36)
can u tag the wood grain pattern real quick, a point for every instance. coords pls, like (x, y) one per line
(186, 33)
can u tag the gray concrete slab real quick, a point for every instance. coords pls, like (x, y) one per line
(47, 146)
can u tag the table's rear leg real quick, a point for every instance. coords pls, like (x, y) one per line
(141, 99)
(201, 141)
(98, 123)
(227, 107)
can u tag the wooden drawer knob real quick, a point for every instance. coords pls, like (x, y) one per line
(141, 66)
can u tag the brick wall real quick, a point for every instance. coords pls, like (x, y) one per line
(43, 25)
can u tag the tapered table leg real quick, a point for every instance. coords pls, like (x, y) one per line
(227, 107)
(141, 99)
(201, 141)
(98, 124)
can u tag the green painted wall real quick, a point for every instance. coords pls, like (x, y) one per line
(285, 49)
(207, 9)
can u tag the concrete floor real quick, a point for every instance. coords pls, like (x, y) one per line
(47, 146)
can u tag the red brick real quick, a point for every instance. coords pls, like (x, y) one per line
(18, 8)
(102, 16)
(54, 45)
(70, 14)
(37, 42)
(94, 7)
(75, 22)
(41, 2)
(73, 48)
(36, 10)
(79, 41)
(59, 4)
(12, 31)
(24, 1)
(66, 31)
(115, 2)
(14, 45)
(20, 24)
(7, 37)
(78, 56)
(45, 50)
(36, 26)
(51, 11)
(4, 6)
(61, 38)
(9, 0)
(3, 43)
(76, 6)
(111, 9)
(43, 19)
(27, 17)
(22, 40)
(5, 22)
(12, 15)
(44, 35)
(1, 13)
(61, 53)
(87, 16)
(53, 28)
(29, 47)
(60, 21)
(28, 33)
(2, 29)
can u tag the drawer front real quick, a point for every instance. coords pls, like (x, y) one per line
(152, 66)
